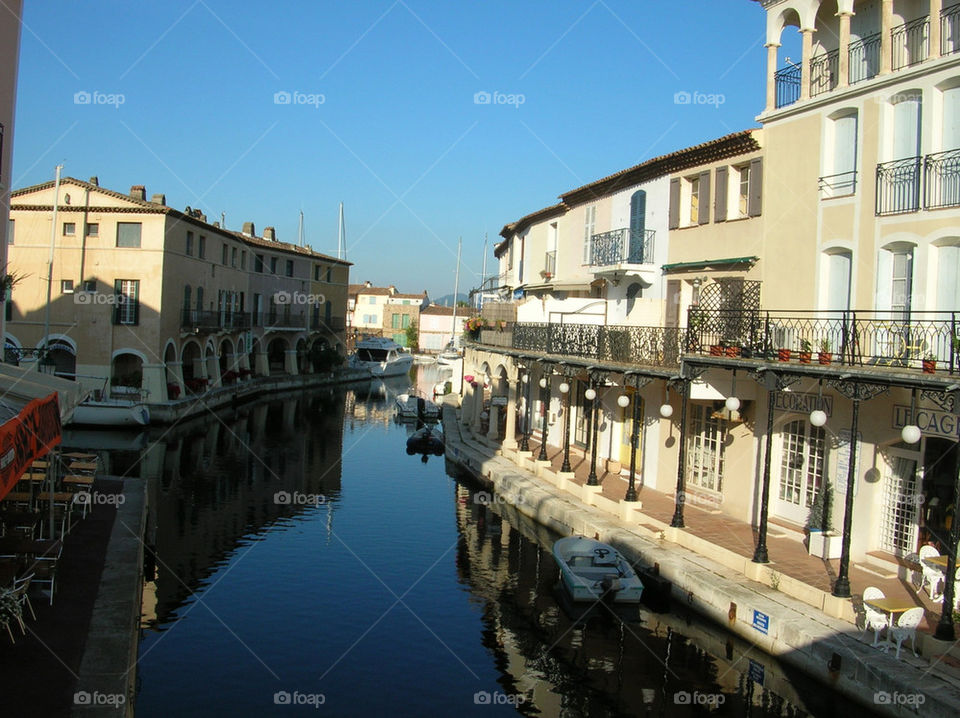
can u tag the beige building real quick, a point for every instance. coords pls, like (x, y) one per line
(150, 298)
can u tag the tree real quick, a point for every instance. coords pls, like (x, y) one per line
(821, 510)
(413, 337)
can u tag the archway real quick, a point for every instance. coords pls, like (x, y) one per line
(64, 356)
(276, 355)
(126, 370)
(303, 359)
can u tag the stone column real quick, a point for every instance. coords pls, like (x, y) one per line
(290, 362)
(843, 61)
(477, 407)
(510, 431)
(936, 7)
(262, 362)
(466, 405)
(494, 422)
(772, 49)
(886, 41)
(807, 56)
(155, 382)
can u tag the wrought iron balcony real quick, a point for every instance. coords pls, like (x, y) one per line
(864, 57)
(910, 43)
(842, 184)
(898, 186)
(204, 320)
(941, 173)
(274, 319)
(788, 85)
(950, 30)
(851, 338)
(622, 246)
(824, 73)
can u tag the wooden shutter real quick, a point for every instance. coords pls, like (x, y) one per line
(136, 302)
(721, 199)
(117, 300)
(755, 207)
(704, 198)
(674, 203)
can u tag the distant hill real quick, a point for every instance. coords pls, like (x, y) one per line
(447, 299)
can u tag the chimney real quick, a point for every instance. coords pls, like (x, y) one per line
(95, 180)
(270, 233)
(157, 198)
(217, 225)
(248, 229)
(138, 191)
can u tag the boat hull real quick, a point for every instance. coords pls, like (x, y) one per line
(593, 571)
(102, 413)
(400, 365)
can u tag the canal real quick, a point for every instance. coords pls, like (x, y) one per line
(303, 564)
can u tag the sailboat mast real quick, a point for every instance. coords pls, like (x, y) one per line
(456, 289)
(300, 230)
(483, 273)
(53, 239)
(341, 238)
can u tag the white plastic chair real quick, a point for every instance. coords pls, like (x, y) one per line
(907, 628)
(19, 590)
(931, 576)
(873, 618)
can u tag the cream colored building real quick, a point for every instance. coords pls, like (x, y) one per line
(146, 297)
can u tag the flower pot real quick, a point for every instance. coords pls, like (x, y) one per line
(825, 357)
(613, 466)
(716, 350)
(732, 352)
(805, 357)
(783, 354)
(825, 544)
(929, 366)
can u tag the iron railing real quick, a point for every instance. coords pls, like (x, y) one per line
(910, 43)
(206, 320)
(787, 82)
(838, 185)
(950, 30)
(898, 186)
(824, 73)
(622, 246)
(941, 180)
(864, 57)
(333, 324)
(873, 338)
(283, 320)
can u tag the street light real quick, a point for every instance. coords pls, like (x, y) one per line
(623, 401)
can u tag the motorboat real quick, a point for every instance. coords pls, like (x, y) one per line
(448, 358)
(381, 357)
(426, 441)
(121, 406)
(593, 571)
(411, 406)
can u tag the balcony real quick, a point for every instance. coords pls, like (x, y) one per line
(333, 324)
(902, 340)
(824, 73)
(898, 186)
(202, 320)
(942, 180)
(842, 184)
(623, 252)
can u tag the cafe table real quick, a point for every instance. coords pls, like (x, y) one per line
(80, 455)
(16, 546)
(78, 480)
(893, 607)
(83, 465)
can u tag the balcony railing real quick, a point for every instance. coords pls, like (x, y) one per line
(788, 85)
(206, 320)
(898, 186)
(864, 58)
(284, 320)
(910, 43)
(839, 185)
(950, 30)
(862, 338)
(824, 73)
(622, 246)
(333, 324)
(942, 180)
(550, 264)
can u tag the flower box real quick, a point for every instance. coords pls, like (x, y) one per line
(825, 358)
(805, 357)
(783, 354)
(929, 366)
(825, 544)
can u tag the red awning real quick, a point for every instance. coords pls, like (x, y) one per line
(29, 435)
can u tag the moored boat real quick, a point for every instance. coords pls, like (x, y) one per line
(111, 412)
(381, 357)
(592, 571)
(410, 406)
(426, 441)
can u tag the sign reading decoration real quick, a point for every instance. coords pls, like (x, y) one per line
(932, 422)
(802, 403)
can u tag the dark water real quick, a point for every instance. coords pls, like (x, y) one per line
(396, 594)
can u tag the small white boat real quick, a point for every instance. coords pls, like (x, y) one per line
(111, 412)
(410, 406)
(448, 358)
(381, 357)
(592, 571)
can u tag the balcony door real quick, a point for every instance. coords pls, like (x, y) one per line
(838, 280)
(638, 225)
(906, 127)
(902, 283)
(802, 448)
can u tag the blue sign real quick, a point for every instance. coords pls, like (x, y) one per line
(761, 621)
(755, 672)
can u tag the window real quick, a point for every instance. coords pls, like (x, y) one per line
(273, 265)
(126, 309)
(840, 167)
(69, 229)
(589, 226)
(705, 448)
(395, 321)
(951, 119)
(202, 247)
(258, 263)
(93, 229)
(838, 280)
(66, 286)
(329, 274)
(906, 126)
(224, 253)
(801, 465)
(316, 272)
(189, 245)
(10, 231)
(289, 271)
(900, 297)
(405, 322)
(948, 278)
(89, 285)
(369, 318)
(371, 300)
(233, 257)
(743, 195)
(694, 217)
(128, 234)
(243, 259)
(186, 301)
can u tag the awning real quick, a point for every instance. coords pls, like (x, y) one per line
(710, 264)
(19, 386)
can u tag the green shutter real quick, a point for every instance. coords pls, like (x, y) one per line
(720, 201)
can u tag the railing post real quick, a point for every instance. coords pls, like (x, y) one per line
(953, 341)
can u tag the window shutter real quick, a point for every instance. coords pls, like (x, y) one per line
(704, 198)
(117, 300)
(721, 200)
(674, 203)
(136, 302)
(756, 187)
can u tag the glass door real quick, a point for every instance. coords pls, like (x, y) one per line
(802, 454)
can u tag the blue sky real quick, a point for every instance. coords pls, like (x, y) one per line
(382, 113)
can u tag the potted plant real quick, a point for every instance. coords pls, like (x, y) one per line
(783, 354)
(822, 540)
(806, 351)
(929, 363)
(825, 357)
(173, 390)
(732, 351)
(716, 350)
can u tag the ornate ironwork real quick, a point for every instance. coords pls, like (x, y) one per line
(788, 85)
(857, 390)
(941, 180)
(621, 246)
(649, 346)
(946, 400)
(773, 380)
(824, 73)
(910, 42)
(864, 58)
(730, 293)
(898, 186)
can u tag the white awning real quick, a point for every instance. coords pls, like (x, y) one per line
(20, 386)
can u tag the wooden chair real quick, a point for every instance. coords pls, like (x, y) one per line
(19, 591)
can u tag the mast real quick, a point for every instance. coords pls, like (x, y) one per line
(456, 288)
(341, 238)
(300, 230)
(483, 273)
(53, 239)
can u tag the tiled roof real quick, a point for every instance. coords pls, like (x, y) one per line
(554, 210)
(421, 296)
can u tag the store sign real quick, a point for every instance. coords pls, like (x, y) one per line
(802, 403)
(932, 422)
